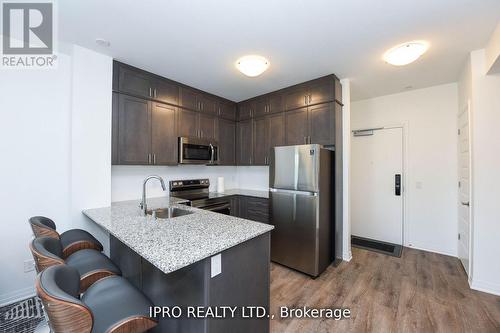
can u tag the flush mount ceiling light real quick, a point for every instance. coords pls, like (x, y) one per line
(406, 53)
(252, 65)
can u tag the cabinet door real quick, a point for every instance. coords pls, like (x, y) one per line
(114, 128)
(187, 123)
(257, 209)
(260, 140)
(166, 91)
(321, 90)
(189, 98)
(163, 134)
(275, 103)
(295, 98)
(207, 126)
(276, 131)
(134, 131)
(260, 107)
(235, 206)
(207, 104)
(296, 127)
(226, 137)
(134, 82)
(322, 124)
(244, 145)
(245, 110)
(227, 110)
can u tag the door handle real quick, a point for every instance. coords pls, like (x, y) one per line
(466, 203)
(397, 184)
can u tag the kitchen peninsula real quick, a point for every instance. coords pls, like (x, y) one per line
(198, 259)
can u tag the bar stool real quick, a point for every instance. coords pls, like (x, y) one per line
(72, 240)
(92, 265)
(110, 305)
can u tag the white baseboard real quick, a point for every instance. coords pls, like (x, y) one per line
(423, 248)
(487, 287)
(17, 295)
(347, 256)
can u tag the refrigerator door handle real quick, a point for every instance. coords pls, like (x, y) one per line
(308, 193)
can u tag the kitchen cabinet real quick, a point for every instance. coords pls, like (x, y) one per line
(234, 201)
(226, 138)
(166, 91)
(198, 101)
(134, 131)
(322, 124)
(195, 124)
(163, 134)
(245, 110)
(313, 124)
(206, 125)
(268, 132)
(227, 110)
(114, 128)
(255, 209)
(267, 104)
(244, 139)
(317, 91)
(134, 82)
(296, 127)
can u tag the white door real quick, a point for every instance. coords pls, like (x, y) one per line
(464, 188)
(376, 204)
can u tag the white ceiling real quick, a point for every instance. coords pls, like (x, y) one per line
(197, 42)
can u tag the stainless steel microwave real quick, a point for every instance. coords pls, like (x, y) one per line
(198, 151)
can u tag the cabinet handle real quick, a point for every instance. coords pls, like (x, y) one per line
(154, 158)
(305, 100)
(154, 92)
(150, 92)
(309, 139)
(149, 158)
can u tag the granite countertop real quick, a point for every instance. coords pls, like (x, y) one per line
(248, 193)
(171, 244)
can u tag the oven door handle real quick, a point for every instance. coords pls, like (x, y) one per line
(217, 207)
(212, 153)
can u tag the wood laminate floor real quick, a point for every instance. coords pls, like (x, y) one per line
(419, 292)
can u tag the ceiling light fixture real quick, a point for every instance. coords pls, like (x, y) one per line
(252, 65)
(406, 53)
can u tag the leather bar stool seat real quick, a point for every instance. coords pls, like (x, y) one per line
(92, 265)
(110, 305)
(72, 240)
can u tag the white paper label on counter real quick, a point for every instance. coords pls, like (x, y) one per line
(216, 265)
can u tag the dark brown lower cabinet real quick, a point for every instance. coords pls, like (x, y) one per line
(163, 134)
(252, 208)
(226, 138)
(134, 130)
(244, 141)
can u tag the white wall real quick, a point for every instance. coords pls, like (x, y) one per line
(484, 92)
(37, 172)
(430, 115)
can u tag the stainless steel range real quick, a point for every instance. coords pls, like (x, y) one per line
(199, 196)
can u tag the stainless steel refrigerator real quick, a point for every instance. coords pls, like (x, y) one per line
(301, 192)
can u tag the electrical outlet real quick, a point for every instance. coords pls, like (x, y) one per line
(29, 265)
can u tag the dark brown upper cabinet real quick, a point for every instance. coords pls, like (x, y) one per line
(134, 131)
(226, 138)
(146, 132)
(244, 139)
(246, 110)
(268, 132)
(166, 91)
(322, 124)
(195, 124)
(317, 91)
(296, 127)
(163, 134)
(267, 104)
(226, 110)
(313, 124)
(134, 82)
(198, 101)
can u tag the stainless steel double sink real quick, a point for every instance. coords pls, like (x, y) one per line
(168, 213)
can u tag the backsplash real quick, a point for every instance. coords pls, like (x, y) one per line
(126, 181)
